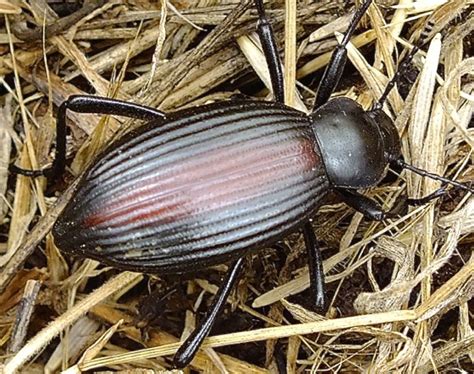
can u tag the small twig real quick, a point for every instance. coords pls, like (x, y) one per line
(39, 232)
(159, 42)
(23, 315)
(43, 338)
(197, 54)
(290, 52)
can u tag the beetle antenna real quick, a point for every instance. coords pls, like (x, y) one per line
(403, 67)
(437, 177)
(396, 77)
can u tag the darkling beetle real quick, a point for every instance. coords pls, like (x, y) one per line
(207, 185)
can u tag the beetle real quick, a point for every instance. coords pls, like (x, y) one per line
(211, 184)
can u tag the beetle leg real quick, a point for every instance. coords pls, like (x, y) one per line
(368, 207)
(426, 199)
(105, 105)
(86, 104)
(373, 211)
(334, 69)
(270, 50)
(316, 271)
(188, 349)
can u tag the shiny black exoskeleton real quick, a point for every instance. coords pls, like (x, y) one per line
(211, 184)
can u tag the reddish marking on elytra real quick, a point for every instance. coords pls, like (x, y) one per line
(209, 181)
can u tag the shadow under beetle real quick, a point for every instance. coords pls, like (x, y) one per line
(211, 184)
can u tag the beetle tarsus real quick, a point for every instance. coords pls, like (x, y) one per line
(30, 173)
(270, 50)
(316, 271)
(188, 349)
(426, 199)
(91, 105)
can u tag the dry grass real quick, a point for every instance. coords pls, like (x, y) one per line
(400, 290)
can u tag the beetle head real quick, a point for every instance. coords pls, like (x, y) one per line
(389, 133)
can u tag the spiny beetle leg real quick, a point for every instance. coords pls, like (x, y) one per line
(86, 104)
(316, 271)
(270, 50)
(188, 349)
(334, 69)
